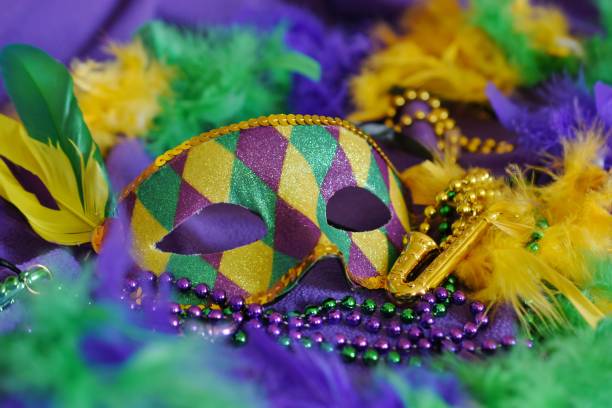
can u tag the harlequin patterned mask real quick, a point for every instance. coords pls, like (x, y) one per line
(284, 169)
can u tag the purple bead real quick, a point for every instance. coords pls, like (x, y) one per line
(422, 307)
(340, 339)
(275, 318)
(334, 316)
(458, 297)
(183, 284)
(488, 345)
(147, 277)
(274, 330)
(254, 310)
(394, 329)
(215, 314)
(201, 290)
(219, 296)
(470, 329)
(481, 319)
(424, 344)
(131, 285)
(426, 320)
(237, 317)
(404, 344)
(166, 278)
(449, 346)
(175, 308)
(382, 345)
(414, 333)
(529, 343)
(441, 294)
(436, 334)
(360, 342)
(468, 345)
(254, 324)
(295, 334)
(456, 334)
(296, 323)
(429, 298)
(318, 337)
(174, 321)
(194, 311)
(315, 321)
(353, 318)
(236, 303)
(508, 341)
(372, 325)
(477, 307)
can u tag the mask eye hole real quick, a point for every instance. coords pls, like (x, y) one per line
(217, 228)
(356, 209)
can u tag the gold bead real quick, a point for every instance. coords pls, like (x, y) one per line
(485, 150)
(391, 112)
(463, 141)
(490, 142)
(443, 114)
(434, 103)
(411, 94)
(441, 144)
(399, 101)
(439, 129)
(420, 115)
(432, 118)
(424, 227)
(397, 129)
(406, 120)
(457, 185)
(389, 123)
(441, 197)
(430, 211)
(424, 96)
(449, 124)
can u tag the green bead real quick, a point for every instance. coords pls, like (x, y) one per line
(415, 361)
(407, 315)
(239, 338)
(268, 312)
(536, 235)
(349, 302)
(349, 354)
(227, 311)
(451, 194)
(368, 306)
(328, 304)
(394, 357)
(388, 309)
(370, 356)
(533, 247)
(206, 311)
(327, 347)
(439, 309)
(11, 283)
(445, 210)
(311, 310)
(294, 313)
(542, 223)
(307, 342)
(3, 290)
(451, 279)
(444, 226)
(284, 341)
(450, 287)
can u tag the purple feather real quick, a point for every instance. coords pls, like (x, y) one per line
(125, 162)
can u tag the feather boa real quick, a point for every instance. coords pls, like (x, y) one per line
(441, 52)
(119, 97)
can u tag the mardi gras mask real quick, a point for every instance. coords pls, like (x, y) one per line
(284, 169)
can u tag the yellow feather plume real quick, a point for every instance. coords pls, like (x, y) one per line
(120, 96)
(72, 222)
(428, 178)
(576, 205)
(441, 52)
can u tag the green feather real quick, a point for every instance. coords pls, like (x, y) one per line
(495, 18)
(41, 90)
(598, 49)
(223, 75)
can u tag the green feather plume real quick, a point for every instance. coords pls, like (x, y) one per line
(598, 49)
(496, 19)
(223, 75)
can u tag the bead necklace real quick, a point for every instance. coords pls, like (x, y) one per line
(438, 117)
(405, 334)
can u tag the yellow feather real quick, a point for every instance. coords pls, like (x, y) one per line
(120, 96)
(428, 178)
(441, 52)
(74, 222)
(577, 206)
